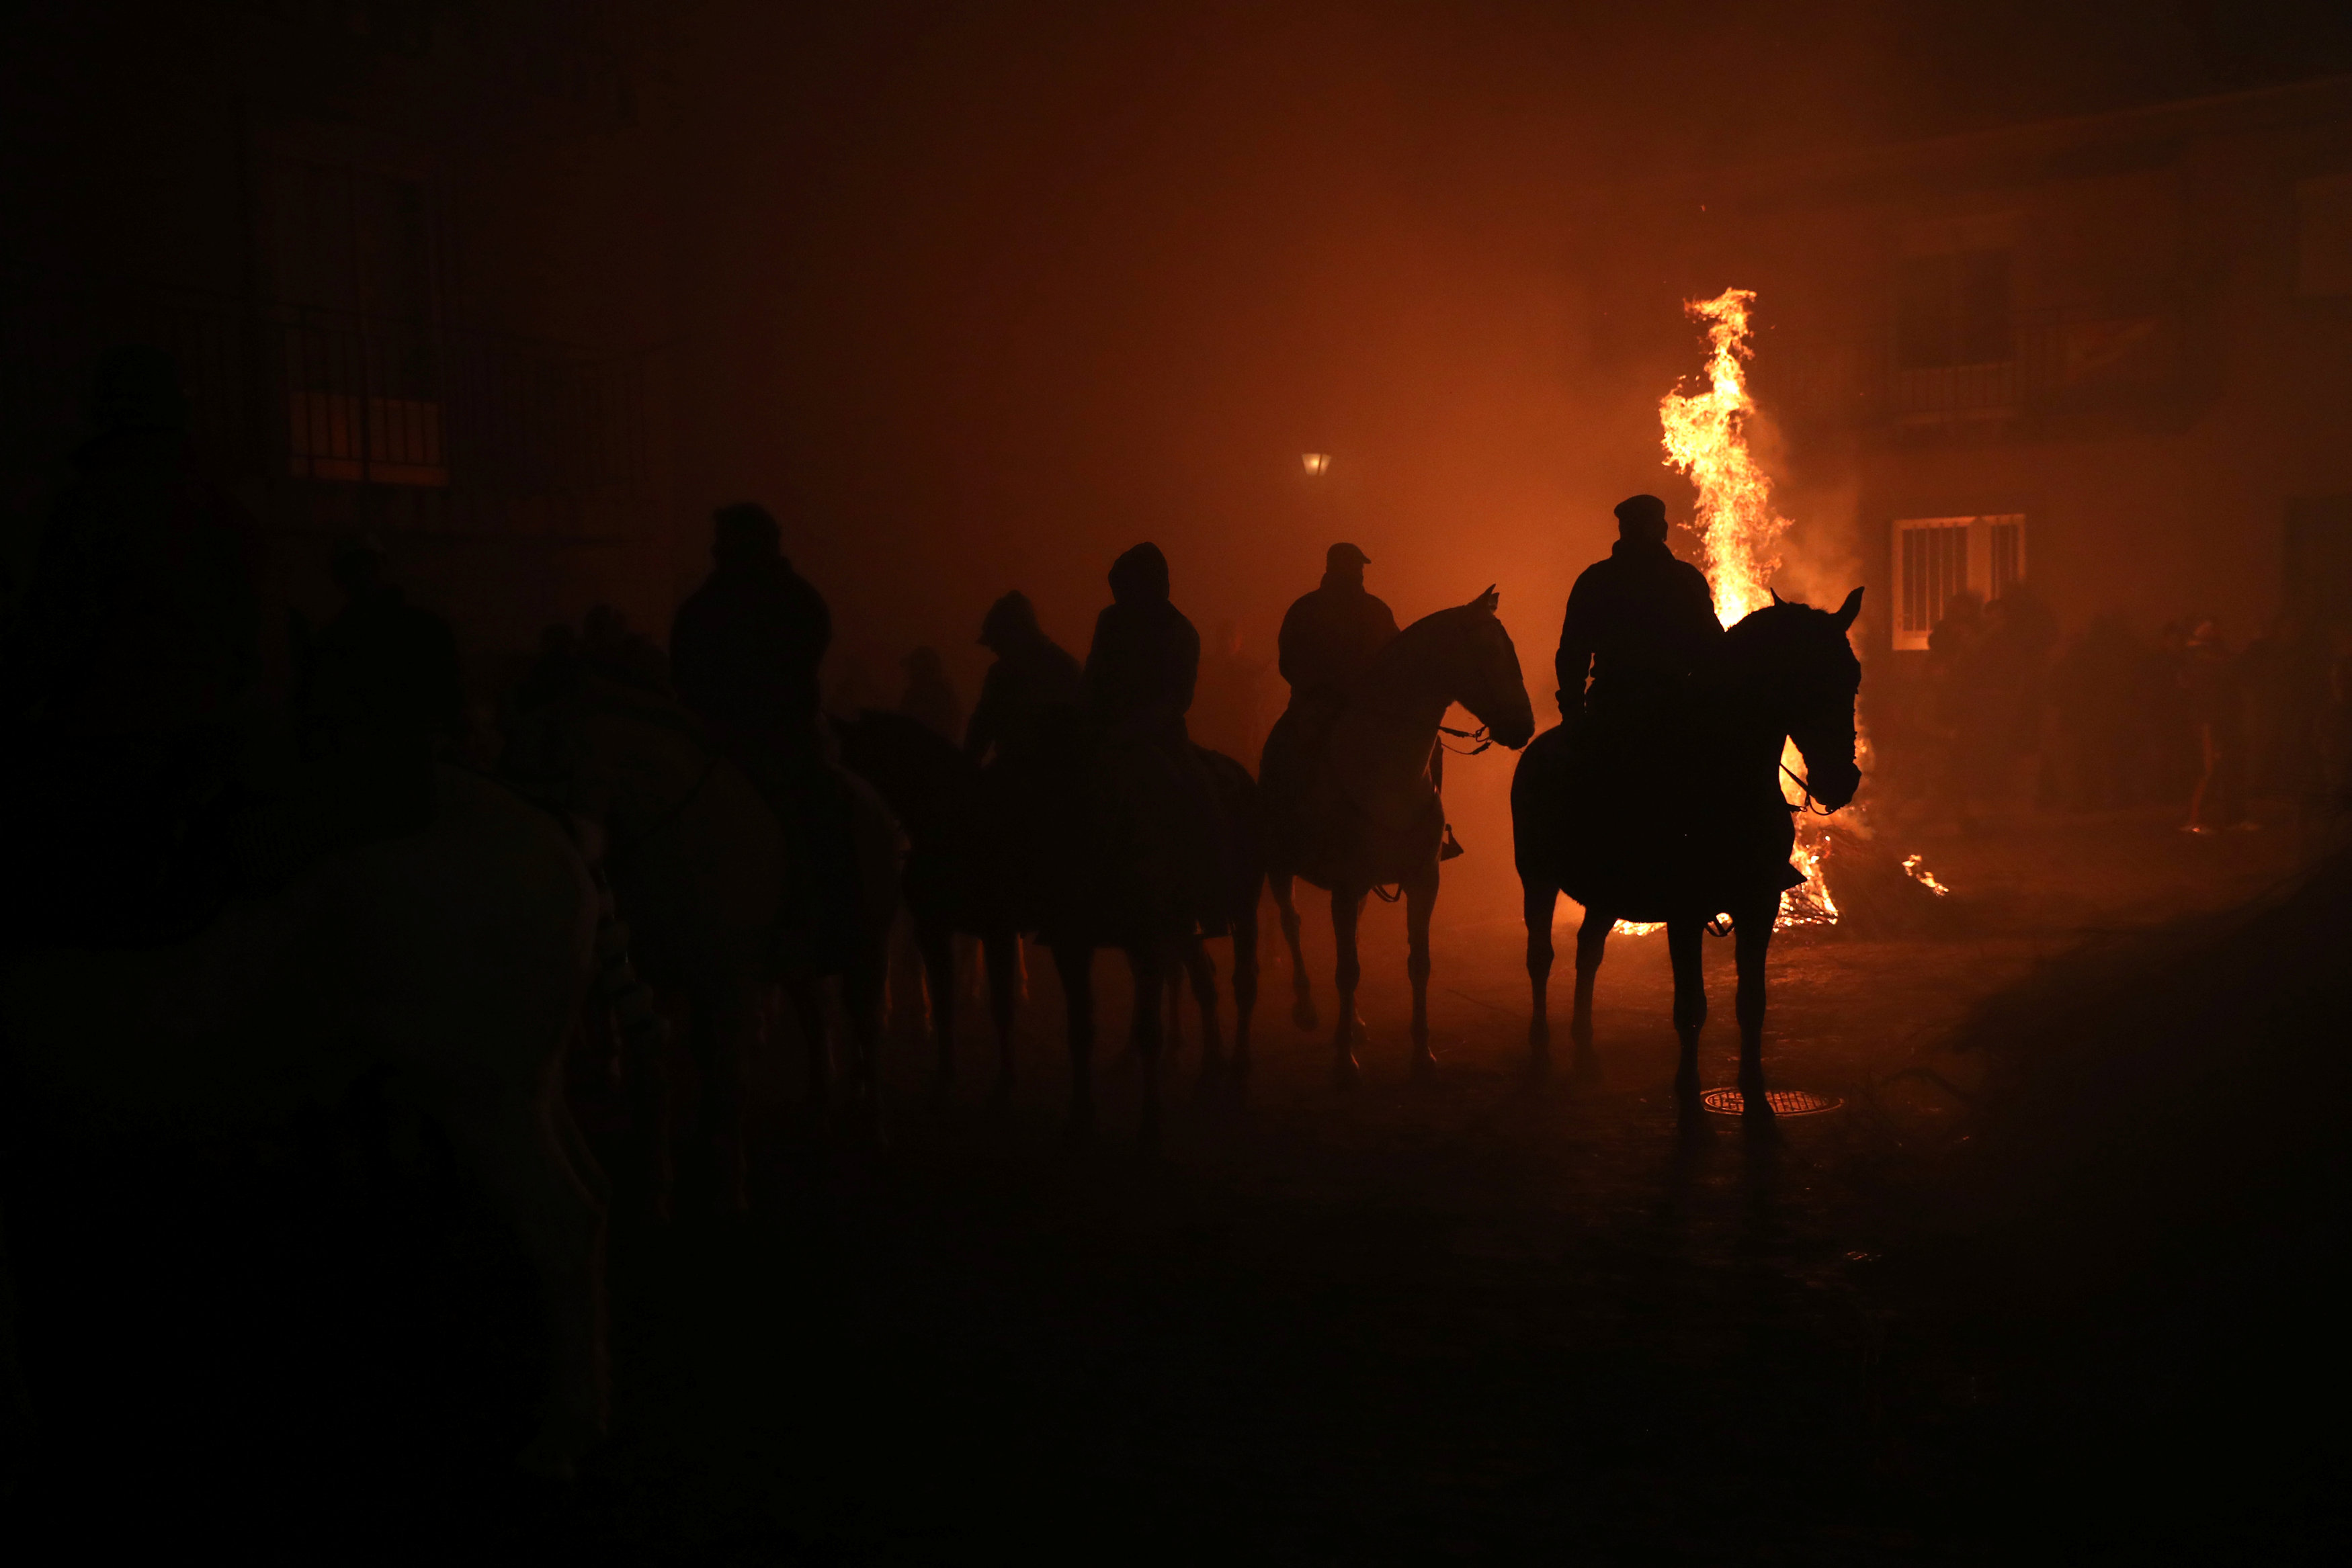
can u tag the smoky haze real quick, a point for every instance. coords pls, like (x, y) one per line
(978, 296)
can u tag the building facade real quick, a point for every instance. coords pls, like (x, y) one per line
(407, 257)
(2103, 357)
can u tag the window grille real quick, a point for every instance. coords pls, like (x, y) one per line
(1937, 558)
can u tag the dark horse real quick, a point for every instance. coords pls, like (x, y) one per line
(1684, 821)
(1106, 865)
(962, 873)
(1355, 807)
(979, 837)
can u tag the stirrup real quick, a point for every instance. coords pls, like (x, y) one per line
(1449, 849)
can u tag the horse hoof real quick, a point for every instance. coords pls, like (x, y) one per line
(1424, 1066)
(1001, 1095)
(1539, 1063)
(1346, 1073)
(1303, 1014)
(1586, 1067)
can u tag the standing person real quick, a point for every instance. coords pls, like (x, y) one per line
(930, 698)
(2211, 678)
(1033, 678)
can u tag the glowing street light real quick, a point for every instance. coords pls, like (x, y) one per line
(1318, 463)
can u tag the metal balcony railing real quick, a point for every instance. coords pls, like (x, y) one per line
(2057, 364)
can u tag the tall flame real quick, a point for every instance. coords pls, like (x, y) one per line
(1706, 437)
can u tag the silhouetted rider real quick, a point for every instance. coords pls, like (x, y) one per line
(1140, 675)
(380, 697)
(745, 650)
(746, 647)
(1146, 656)
(1330, 634)
(1637, 622)
(1032, 676)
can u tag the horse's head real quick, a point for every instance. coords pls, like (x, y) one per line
(1486, 676)
(1806, 678)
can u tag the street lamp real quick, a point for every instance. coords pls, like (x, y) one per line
(1318, 463)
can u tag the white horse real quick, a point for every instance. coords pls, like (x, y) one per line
(456, 956)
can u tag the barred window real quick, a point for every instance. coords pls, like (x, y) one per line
(1936, 559)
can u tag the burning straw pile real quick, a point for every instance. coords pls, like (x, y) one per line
(1877, 891)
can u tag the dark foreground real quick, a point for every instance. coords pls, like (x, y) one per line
(2064, 1289)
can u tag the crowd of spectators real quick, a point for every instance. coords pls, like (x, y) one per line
(2005, 713)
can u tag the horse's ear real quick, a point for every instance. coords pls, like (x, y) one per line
(1776, 596)
(1488, 599)
(1848, 611)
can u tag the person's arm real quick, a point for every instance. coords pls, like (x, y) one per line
(1574, 659)
(1286, 644)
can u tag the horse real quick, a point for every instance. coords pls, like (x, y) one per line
(1105, 863)
(456, 955)
(961, 874)
(702, 870)
(1697, 829)
(1360, 809)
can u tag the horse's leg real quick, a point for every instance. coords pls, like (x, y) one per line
(1245, 986)
(937, 945)
(1150, 967)
(1537, 899)
(1203, 971)
(1075, 961)
(514, 1152)
(1346, 908)
(1003, 953)
(1751, 940)
(1302, 1003)
(1592, 941)
(1685, 938)
(1420, 903)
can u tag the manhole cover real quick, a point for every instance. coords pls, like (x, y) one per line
(1784, 1101)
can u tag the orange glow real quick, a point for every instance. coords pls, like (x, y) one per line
(1739, 532)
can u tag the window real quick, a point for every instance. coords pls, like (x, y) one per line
(354, 276)
(1937, 558)
(1953, 308)
(2323, 236)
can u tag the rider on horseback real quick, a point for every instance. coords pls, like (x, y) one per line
(1032, 676)
(1637, 622)
(744, 652)
(1140, 674)
(1330, 634)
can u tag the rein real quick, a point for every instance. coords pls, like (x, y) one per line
(1809, 809)
(1479, 735)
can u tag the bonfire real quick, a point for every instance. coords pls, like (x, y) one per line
(1739, 533)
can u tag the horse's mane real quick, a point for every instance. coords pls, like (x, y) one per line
(1407, 644)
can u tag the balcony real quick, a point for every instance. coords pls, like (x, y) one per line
(2056, 369)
